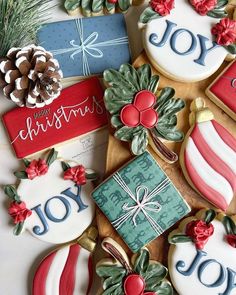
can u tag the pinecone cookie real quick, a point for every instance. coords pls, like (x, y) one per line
(30, 76)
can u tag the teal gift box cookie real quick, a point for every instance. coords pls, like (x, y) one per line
(140, 201)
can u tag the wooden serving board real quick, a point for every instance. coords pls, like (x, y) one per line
(118, 154)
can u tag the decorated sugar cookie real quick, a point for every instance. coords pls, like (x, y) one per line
(79, 110)
(222, 91)
(140, 276)
(68, 270)
(208, 157)
(97, 7)
(202, 258)
(140, 201)
(140, 114)
(54, 205)
(186, 40)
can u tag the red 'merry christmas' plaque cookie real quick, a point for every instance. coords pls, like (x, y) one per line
(78, 110)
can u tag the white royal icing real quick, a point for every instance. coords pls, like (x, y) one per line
(183, 67)
(65, 217)
(216, 249)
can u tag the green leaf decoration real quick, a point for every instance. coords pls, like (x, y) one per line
(139, 142)
(180, 238)
(65, 166)
(127, 133)
(221, 4)
(217, 13)
(115, 121)
(148, 15)
(112, 276)
(164, 288)
(154, 82)
(124, 4)
(18, 228)
(109, 6)
(166, 94)
(21, 175)
(155, 273)
(86, 6)
(71, 5)
(142, 262)
(231, 48)
(210, 216)
(52, 157)
(145, 74)
(26, 162)
(229, 225)
(97, 5)
(91, 176)
(11, 192)
(131, 75)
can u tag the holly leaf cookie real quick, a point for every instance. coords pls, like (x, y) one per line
(202, 254)
(138, 276)
(53, 205)
(140, 113)
(208, 157)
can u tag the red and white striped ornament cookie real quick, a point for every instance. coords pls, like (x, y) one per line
(68, 270)
(208, 157)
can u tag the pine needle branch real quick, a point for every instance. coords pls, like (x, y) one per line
(19, 22)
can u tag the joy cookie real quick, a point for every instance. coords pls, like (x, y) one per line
(203, 258)
(208, 157)
(61, 272)
(139, 276)
(222, 91)
(140, 113)
(140, 201)
(184, 43)
(54, 205)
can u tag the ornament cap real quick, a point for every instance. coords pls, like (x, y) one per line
(199, 112)
(88, 239)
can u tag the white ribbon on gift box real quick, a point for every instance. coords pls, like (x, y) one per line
(88, 46)
(142, 205)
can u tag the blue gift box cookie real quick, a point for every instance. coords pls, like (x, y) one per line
(87, 46)
(140, 201)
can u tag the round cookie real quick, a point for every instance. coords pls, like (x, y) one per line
(208, 157)
(181, 46)
(54, 207)
(203, 258)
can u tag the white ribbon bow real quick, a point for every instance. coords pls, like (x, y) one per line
(143, 204)
(88, 46)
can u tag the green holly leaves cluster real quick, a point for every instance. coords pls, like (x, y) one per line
(89, 7)
(125, 83)
(153, 273)
(218, 11)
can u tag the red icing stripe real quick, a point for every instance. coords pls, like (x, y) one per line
(209, 193)
(225, 135)
(40, 277)
(212, 158)
(90, 270)
(67, 281)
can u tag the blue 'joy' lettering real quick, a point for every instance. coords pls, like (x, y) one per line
(201, 268)
(153, 39)
(48, 212)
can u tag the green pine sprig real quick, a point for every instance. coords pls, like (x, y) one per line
(19, 22)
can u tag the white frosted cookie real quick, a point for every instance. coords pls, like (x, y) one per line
(203, 255)
(181, 45)
(55, 206)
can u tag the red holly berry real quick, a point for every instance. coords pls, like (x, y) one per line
(134, 285)
(141, 111)
(112, 1)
